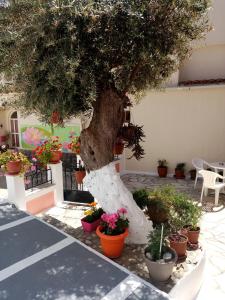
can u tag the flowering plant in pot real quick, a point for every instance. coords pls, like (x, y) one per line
(49, 151)
(162, 168)
(112, 232)
(92, 218)
(74, 145)
(159, 257)
(14, 163)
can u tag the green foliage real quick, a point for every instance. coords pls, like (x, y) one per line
(94, 215)
(141, 197)
(180, 166)
(153, 244)
(63, 53)
(162, 163)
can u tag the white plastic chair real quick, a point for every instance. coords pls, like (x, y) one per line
(210, 182)
(198, 164)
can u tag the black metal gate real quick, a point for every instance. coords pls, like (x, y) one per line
(73, 192)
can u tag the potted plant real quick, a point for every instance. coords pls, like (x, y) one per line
(14, 163)
(179, 171)
(74, 145)
(112, 232)
(80, 173)
(158, 206)
(160, 259)
(193, 229)
(118, 147)
(49, 151)
(192, 173)
(162, 168)
(141, 198)
(92, 218)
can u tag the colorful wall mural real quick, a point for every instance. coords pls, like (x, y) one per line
(34, 135)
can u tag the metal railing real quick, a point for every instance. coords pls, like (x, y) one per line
(37, 178)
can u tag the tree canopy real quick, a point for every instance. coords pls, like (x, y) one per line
(62, 54)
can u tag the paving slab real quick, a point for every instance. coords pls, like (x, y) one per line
(9, 213)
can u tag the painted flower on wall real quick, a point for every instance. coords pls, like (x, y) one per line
(32, 136)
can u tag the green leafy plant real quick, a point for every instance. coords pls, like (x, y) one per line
(9, 156)
(93, 213)
(141, 197)
(162, 163)
(180, 166)
(153, 244)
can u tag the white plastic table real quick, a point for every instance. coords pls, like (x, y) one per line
(218, 166)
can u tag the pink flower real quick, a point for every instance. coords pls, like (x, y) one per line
(122, 211)
(27, 181)
(34, 159)
(32, 136)
(33, 168)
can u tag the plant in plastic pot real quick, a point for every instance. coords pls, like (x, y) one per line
(162, 168)
(112, 232)
(92, 218)
(160, 259)
(14, 163)
(180, 171)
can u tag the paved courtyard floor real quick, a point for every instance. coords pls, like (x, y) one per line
(67, 217)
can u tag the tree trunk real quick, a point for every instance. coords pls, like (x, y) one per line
(102, 181)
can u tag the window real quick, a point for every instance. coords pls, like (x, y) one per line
(14, 130)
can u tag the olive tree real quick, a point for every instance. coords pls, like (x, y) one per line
(89, 57)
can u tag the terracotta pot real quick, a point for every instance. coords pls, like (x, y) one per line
(193, 235)
(156, 215)
(192, 174)
(13, 167)
(89, 227)
(118, 148)
(112, 245)
(179, 174)
(79, 176)
(117, 167)
(179, 246)
(162, 171)
(163, 270)
(55, 157)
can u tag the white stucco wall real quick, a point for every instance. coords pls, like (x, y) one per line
(181, 124)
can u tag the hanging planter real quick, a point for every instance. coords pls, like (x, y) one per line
(118, 148)
(79, 176)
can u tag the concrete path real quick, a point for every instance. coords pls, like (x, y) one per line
(38, 261)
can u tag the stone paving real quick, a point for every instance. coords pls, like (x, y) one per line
(67, 217)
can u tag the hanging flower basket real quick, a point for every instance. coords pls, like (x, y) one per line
(79, 176)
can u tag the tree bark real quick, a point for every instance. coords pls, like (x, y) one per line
(102, 181)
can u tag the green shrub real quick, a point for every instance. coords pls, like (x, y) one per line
(141, 197)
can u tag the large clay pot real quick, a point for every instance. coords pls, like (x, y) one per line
(162, 171)
(193, 235)
(163, 270)
(79, 176)
(55, 157)
(179, 174)
(118, 148)
(112, 245)
(89, 227)
(179, 246)
(13, 167)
